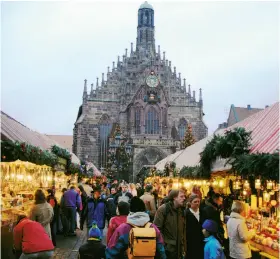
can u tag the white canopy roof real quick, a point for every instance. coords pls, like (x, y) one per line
(15, 131)
(265, 138)
(187, 157)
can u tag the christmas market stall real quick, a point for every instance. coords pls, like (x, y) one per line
(242, 162)
(29, 160)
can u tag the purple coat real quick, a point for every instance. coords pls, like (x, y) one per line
(71, 199)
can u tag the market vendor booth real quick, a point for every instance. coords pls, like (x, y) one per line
(19, 181)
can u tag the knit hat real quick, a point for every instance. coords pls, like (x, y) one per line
(94, 231)
(210, 226)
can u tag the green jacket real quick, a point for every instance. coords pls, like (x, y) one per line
(172, 224)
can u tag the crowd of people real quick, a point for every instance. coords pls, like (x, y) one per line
(177, 225)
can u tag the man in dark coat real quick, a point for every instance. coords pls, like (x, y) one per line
(212, 210)
(95, 210)
(112, 208)
(124, 195)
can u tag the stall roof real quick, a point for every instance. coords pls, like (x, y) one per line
(13, 130)
(265, 138)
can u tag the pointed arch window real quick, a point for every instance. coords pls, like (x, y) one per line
(182, 128)
(137, 120)
(105, 127)
(152, 121)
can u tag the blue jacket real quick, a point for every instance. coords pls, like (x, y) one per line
(95, 210)
(213, 249)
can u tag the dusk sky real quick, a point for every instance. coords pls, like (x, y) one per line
(229, 49)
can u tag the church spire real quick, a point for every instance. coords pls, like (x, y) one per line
(146, 28)
(200, 96)
(85, 91)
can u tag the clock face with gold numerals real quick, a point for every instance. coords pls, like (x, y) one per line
(152, 81)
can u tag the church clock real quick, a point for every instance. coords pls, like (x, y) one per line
(152, 80)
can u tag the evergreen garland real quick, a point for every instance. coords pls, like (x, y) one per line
(11, 151)
(235, 147)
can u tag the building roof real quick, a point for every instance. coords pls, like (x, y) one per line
(63, 140)
(13, 130)
(146, 5)
(265, 129)
(241, 113)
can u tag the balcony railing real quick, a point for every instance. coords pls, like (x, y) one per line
(156, 142)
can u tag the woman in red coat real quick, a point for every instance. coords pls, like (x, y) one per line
(123, 211)
(30, 238)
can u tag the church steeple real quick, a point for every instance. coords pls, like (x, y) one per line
(146, 28)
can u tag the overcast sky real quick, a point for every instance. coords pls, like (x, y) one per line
(229, 49)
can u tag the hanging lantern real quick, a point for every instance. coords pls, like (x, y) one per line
(273, 203)
(266, 196)
(221, 183)
(236, 185)
(258, 184)
(246, 185)
(244, 192)
(269, 185)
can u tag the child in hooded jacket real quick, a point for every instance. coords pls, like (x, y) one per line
(94, 248)
(212, 248)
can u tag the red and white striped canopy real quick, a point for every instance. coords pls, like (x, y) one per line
(265, 129)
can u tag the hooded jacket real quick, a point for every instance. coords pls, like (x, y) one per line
(239, 237)
(213, 249)
(118, 243)
(113, 225)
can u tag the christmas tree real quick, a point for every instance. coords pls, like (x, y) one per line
(119, 159)
(188, 138)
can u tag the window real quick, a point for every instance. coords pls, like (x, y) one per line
(137, 120)
(152, 121)
(104, 131)
(182, 128)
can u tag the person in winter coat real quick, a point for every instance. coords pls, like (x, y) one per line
(118, 243)
(239, 236)
(31, 240)
(111, 206)
(42, 211)
(212, 248)
(212, 210)
(170, 220)
(123, 211)
(71, 202)
(93, 248)
(105, 191)
(149, 201)
(95, 210)
(53, 202)
(124, 195)
(194, 236)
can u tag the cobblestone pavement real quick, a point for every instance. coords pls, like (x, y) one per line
(68, 247)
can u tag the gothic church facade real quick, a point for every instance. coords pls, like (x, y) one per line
(146, 97)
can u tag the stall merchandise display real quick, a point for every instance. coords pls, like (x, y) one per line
(19, 181)
(267, 232)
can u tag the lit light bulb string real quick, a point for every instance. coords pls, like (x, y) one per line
(22, 172)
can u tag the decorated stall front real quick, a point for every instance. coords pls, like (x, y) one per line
(242, 162)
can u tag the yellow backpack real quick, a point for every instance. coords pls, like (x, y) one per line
(142, 242)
